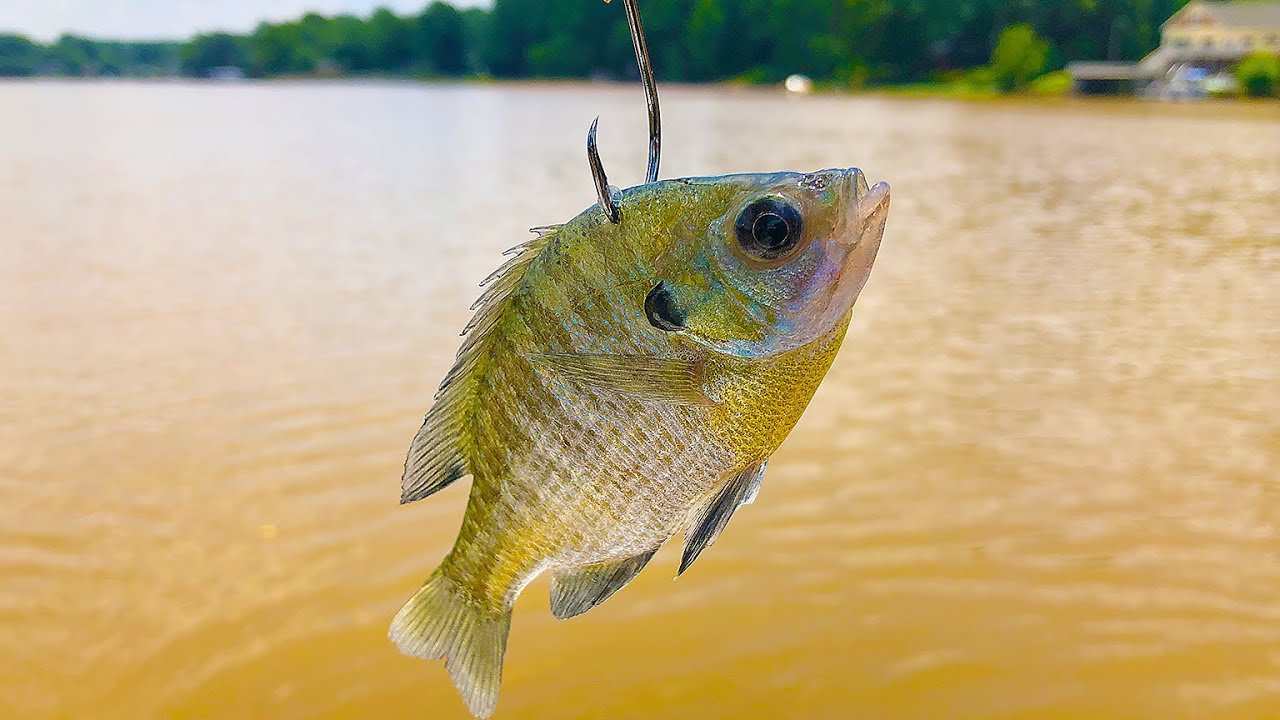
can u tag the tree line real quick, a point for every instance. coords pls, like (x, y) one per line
(72, 55)
(848, 42)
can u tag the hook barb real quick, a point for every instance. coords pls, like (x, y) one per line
(604, 193)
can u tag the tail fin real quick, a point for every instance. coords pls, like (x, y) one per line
(440, 622)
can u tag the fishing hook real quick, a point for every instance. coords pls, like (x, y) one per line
(604, 192)
(650, 87)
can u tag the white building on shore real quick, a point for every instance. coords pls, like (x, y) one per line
(1201, 42)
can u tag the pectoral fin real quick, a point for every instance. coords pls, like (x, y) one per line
(637, 376)
(576, 591)
(741, 489)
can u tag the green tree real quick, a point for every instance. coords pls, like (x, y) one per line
(205, 52)
(1259, 74)
(19, 56)
(390, 41)
(352, 48)
(154, 58)
(278, 50)
(708, 39)
(442, 40)
(504, 53)
(843, 41)
(1019, 57)
(478, 28)
(77, 55)
(315, 33)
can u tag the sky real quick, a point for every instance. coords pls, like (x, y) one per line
(173, 19)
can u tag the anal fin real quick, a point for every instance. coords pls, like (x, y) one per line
(739, 490)
(573, 592)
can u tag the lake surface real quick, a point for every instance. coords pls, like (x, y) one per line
(1041, 480)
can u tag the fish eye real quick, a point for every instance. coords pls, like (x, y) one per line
(769, 228)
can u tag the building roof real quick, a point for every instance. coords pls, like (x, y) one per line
(1239, 14)
(1106, 71)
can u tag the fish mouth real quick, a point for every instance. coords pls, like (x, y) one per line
(874, 204)
(869, 206)
(864, 223)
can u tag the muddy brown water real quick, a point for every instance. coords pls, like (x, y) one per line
(1040, 482)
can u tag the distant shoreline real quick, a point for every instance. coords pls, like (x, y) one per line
(899, 92)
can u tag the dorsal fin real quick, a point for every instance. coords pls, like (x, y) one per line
(439, 454)
(739, 490)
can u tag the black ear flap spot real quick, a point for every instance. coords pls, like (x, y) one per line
(661, 309)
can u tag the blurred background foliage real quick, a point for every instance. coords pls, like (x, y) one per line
(1259, 74)
(1009, 43)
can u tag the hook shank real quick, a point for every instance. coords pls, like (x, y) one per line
(650, 87)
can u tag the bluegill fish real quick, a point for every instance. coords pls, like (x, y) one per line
(624, 382)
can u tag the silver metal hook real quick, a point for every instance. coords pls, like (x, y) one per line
(650, 87)
(604, 193)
